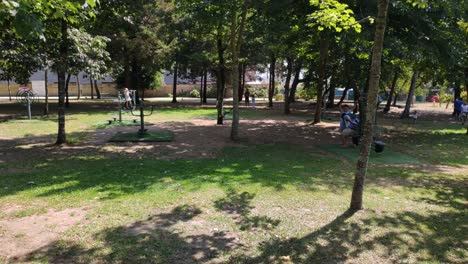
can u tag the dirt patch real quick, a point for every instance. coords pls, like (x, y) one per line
(184, 227)
(21, 236)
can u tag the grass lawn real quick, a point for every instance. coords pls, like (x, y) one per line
(250, 203)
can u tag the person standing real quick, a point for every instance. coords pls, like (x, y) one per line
(458, 105)
(128, 99)
(253, 100)
(247, 97)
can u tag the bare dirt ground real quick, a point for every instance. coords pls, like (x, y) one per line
(20, 236)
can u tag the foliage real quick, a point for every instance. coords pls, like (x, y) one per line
(195, 93)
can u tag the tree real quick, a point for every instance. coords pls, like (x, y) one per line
(330, 16)
(374, 78)
(237, 34)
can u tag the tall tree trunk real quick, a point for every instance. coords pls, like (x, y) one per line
(67, 99)
(174, 84)
(46, 80)
(409, 99)
(78, 85)
(128, 74)
(345, 92)
(236, 43)
(357, 97)
(240, 87)
(392, 91)
(287, 84)
(456, 94)
(331, 94)
(271, 87)
(98, 92)
(374, 78)
(395, 98)
(201, 87)
(220, 80)
(205, 87)
(321, 79)
(61, 72)
(9, 90)
(91, 83)
(295, 83)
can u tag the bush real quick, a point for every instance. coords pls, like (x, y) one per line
(195, 93)
(279, 97)
(306, 94)
(260, 92)
(211, 92)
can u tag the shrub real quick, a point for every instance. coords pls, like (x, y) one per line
(195, 93)
(279, 97)
(211, 92)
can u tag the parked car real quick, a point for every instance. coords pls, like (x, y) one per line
(433, 99)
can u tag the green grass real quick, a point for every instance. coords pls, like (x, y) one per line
(388, 156)
(249, 204)
(264, 195)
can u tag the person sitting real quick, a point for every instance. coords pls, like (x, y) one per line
(348, 125)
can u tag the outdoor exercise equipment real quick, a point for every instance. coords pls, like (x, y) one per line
(142, 130)
(26, 97)
(120, 105)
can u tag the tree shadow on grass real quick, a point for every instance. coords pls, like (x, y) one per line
(153, 240)
(238, 205)
(405, 237)
(68, 171)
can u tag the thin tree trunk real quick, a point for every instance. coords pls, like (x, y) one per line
(374, 78)
(241, 89)
(322, 64)
(331, 94)
(46, 105)
(271, 87)
(236, 43)
(345, 92)
(78, 85)
(174, 84)
(61, 72)
(409, 99)
(220, 80)
(392, 91)
(456, 94)
(395, 98)
(201, 87)
(9, 90)
(98, 92)
(205, 87)
(92, 86)
(287, 84)
(295, 83)
(67, 100)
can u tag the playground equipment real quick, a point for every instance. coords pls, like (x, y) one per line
(120, 105)
(26, 97)
(142, 131)
(143, 135)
